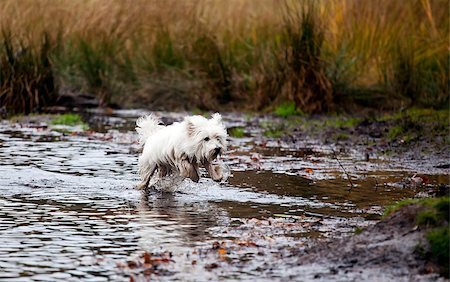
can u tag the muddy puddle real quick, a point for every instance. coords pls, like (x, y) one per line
(69, 210)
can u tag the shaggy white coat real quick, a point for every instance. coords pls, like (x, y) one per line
(180, 148)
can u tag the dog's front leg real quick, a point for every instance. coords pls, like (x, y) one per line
(146, 176)
(189, 170)
(215, 171)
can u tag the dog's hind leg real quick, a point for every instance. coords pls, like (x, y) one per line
(163, 170)
(146, 174)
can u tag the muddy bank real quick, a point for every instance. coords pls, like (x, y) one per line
(388, 250)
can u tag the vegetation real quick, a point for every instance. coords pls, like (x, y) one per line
(286, 110)
(27, 80)
(439, 240)
(439, 205)
(414, 123)
(67, 119)
(435, 217)
(237, 132)
(254, 55)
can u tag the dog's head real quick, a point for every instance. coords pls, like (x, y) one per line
(206, 137)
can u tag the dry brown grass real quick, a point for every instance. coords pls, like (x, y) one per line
(239, 53)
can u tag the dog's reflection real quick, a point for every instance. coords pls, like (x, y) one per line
(171, 221)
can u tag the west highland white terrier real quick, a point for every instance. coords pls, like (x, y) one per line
(180, 148)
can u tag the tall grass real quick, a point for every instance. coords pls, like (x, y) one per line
(26, 76)
(237, 54)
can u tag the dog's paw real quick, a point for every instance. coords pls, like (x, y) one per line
(195, 177)
(215, 171)
(141, 185)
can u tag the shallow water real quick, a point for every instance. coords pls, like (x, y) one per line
(69, 210)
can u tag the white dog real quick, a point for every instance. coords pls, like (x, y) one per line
(180, 148)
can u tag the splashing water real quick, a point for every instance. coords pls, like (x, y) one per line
(175, 182)
(170, 183)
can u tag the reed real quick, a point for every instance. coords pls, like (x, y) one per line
(26, 77)
(237, 54)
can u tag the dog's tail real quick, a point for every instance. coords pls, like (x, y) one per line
(146, 126)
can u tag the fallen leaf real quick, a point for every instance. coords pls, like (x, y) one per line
(246, 243)
(216, 245)
(148, 272)
(211, 266)
(309, 170)
(147, 258)
(222, 252)
(132, 264)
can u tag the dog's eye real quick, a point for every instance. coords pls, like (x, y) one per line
(206, 139)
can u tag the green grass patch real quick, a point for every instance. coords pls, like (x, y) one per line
(237, 132)
(395, 132)
(68, 119)
(342, 122)
(273, 133)
(358, 230)
(347, 123)
(439, 240)
(341, 137)
(414, 123)
(435, 218)
(274, 130)
(62, 130)
(286, 110)
(427, 218)
(398, 205)
(440, 205)
(419, 115)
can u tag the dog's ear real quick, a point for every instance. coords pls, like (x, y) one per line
(189, 126)
(217, 117)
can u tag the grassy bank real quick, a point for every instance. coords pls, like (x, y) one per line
(238, 54)
(433, 216)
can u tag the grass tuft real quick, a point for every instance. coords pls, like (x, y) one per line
(237, 132)
(67, 119)
(439, 240)
(26, 75)
(286, 110)
(435, 218)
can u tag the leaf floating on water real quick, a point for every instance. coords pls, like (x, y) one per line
(255, 157)
(247, 243)
(211, 266)
(147, 258)
(216, 245)
(132, 264)
(309, 170)
(222, 252)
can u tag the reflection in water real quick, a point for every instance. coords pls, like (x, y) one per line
(169, 222)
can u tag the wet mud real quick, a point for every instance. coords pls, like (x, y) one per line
(69, 210)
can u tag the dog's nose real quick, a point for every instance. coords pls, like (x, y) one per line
(217, 150)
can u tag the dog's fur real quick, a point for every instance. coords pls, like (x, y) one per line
(180, 148)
